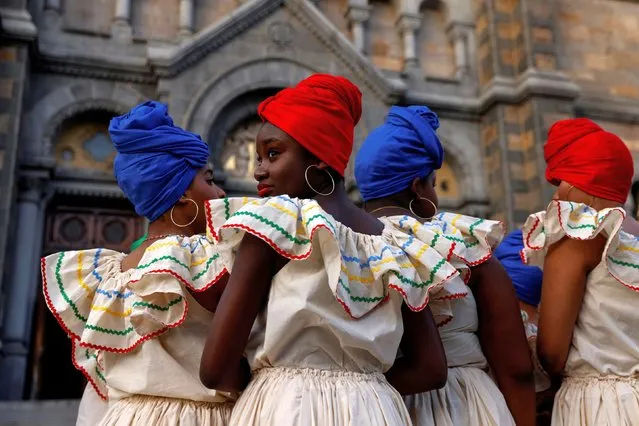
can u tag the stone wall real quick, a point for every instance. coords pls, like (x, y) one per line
(598, 43)
(385, 49)
(13, 63)
(434, 47)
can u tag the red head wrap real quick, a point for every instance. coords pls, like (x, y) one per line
(320, 113)
(582, 154)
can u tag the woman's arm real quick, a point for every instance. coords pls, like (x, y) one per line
(566, 267)
(223, 365)
(503, 340)
(422, 367)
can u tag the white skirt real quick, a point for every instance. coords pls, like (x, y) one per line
(150, 410)
(600, 401)
(311, 397)
(470, 398)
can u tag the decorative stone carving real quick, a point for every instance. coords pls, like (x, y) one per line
(282, 34)
(238, 154)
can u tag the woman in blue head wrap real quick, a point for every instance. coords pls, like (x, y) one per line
(480, 325)
(138, 320)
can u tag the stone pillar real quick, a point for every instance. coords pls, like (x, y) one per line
(459, 35)
(53, 5)
(22, 287)
(358, 13)
(121, 29)
(186, 18)
(408, 24)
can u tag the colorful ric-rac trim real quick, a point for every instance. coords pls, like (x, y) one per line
(581, 222)
(455, 239)
(94, 301)
(367, 271)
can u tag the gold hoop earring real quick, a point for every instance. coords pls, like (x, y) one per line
(197, 212)
(311, 186)
(410, 207)
(592, 197)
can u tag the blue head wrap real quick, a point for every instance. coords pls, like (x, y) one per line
(156, 161)
(405, 147)
(526, 279)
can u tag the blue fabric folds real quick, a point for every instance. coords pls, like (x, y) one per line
(526, 279)
(405, 147)
(156, 161)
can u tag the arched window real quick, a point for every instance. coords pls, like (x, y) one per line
(83, 143)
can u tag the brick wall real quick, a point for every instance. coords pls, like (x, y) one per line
(493, 164)
(385, 49)
(599, 41)
(155, 19)
(434, 48)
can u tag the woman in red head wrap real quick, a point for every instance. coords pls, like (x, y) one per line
(589, 250)
(326, 294)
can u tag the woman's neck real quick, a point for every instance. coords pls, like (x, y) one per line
(388, 206)
(162, 228)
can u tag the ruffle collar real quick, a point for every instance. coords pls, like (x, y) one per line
(368, 267)
(104, 309)
(581, 222)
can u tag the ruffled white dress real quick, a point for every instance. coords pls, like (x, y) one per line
(138, 335)
(601, 384)
(333, 324)
(470, 396)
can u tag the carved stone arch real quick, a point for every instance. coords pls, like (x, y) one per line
(464, 157)
(45, 118)
(210, 101)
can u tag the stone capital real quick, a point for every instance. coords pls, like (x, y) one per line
(358, 13)
(408, 22)
(17, 23)
(459, 29)
(32, 185)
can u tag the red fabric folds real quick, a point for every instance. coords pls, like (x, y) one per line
(320, 113)
(582, 154)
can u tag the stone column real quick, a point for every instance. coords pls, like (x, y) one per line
(459, 36)
(408, 24)
(22, 287)
(186, 18)
(53, 5)
(358, 13)
(121, 29)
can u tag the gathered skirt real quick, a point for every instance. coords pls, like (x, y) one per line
(599, 400)
(144, 410)
(312, 397)
(470, 398)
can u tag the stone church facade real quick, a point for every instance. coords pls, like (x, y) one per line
(498, 72)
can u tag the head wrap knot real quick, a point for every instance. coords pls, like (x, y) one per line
(320, 113)
(405, 147)
(156, 161)
(526, 279)
(581, 153)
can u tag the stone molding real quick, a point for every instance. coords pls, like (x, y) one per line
(213, 96)
(503, 90)
(43, 121)
(168, 61)
(17, 24)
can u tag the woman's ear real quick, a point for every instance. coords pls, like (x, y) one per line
(183, 198)
(322, 165)
(415, 186)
